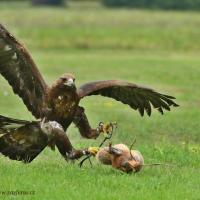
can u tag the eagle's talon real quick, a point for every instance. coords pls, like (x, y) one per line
(107, 128)
(93, 150)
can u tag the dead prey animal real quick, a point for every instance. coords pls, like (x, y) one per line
(122, 158)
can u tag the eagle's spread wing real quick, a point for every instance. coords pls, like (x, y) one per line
(137, 97)
(18, 68)
(21, 140)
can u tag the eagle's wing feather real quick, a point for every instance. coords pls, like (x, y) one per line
(21, 140)
(18, 68)
(137, 97)
(7, 124)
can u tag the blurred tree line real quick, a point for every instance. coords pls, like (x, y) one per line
(152, 4)
(38, 2)
(50, 2)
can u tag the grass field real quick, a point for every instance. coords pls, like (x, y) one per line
(153, 48)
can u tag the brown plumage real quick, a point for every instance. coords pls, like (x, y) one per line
(60, 102)
(24, 140)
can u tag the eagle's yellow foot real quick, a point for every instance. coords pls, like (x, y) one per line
(93, 150)
(107, 128)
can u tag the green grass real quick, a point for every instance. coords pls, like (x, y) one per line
(153, 48)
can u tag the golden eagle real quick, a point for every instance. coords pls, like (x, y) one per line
(60, 102)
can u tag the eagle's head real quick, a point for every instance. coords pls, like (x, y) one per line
(66, 81)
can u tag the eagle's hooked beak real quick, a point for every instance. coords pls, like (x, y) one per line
(69, 82)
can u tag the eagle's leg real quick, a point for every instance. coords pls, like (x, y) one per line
(81, 122)
(65, 147)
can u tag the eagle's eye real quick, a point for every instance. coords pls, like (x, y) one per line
(63, 79)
